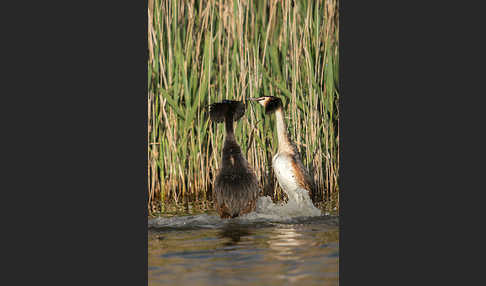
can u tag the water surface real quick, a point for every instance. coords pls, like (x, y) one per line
(268, 247)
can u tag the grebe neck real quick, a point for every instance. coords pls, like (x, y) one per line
(284, 143)
(228, 123)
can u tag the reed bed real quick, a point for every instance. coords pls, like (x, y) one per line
(201, 52)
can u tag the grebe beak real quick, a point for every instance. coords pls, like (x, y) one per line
(260, 100)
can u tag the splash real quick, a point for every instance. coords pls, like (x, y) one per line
(298, 205)
(186, 222)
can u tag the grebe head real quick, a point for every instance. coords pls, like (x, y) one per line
(271, 103)
(218, 111)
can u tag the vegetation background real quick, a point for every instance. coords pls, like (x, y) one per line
(202, 52)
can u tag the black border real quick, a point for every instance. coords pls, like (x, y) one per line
(87, 157)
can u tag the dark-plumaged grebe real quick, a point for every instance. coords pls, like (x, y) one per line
(291, 174)
(236, 186)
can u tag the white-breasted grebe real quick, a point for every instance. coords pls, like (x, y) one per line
(236, 187)
(291, 174)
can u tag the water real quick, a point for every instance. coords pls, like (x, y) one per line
(278, 244)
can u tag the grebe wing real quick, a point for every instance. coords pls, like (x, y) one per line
(301, 173)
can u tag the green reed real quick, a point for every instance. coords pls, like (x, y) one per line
(201, 52)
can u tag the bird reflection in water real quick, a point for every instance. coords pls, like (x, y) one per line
(286, 242)
(234, 232)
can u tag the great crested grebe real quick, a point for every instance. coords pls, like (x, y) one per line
(291, 174)
(236, 186)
